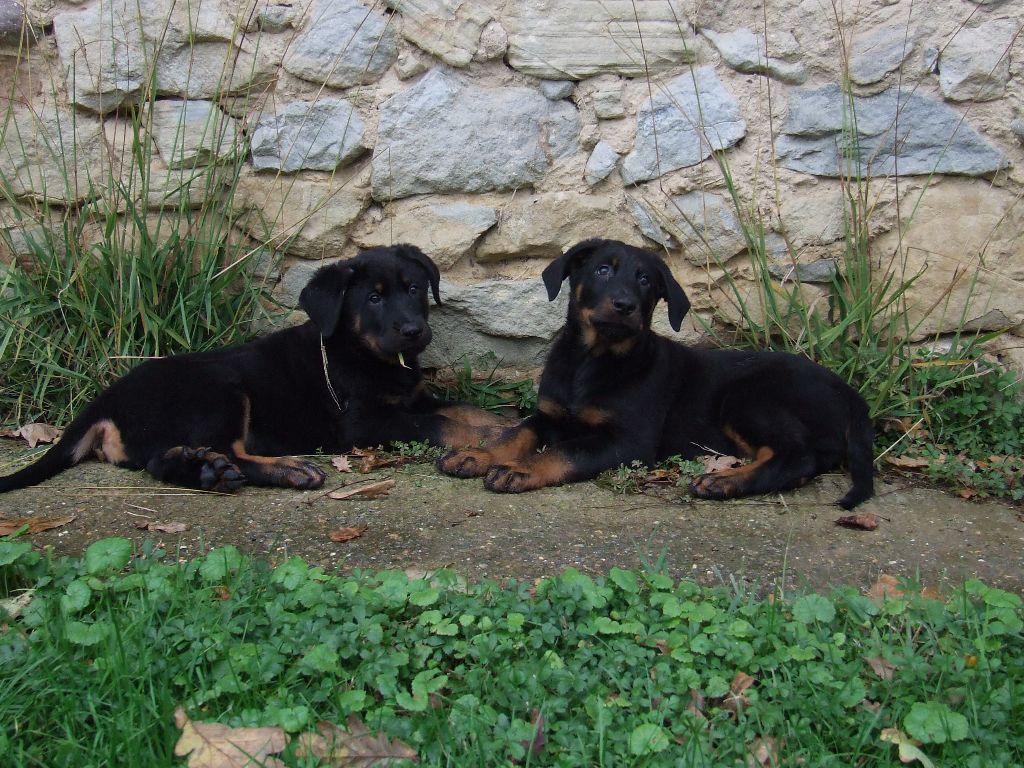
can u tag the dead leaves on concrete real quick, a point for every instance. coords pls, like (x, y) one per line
(213, 745)
(34, 434)
(30, 525)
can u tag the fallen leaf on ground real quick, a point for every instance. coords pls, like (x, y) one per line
(336, 748)
(34, 434)
(967, 493)
(762, 752)
(13, 606)
(35, 524)
(341, 463)
(908, 462)
(865, 521)
(909, 751)
(884, 669)
(718, 462)
(213, 745)
(149, 525)
(371, 460)
(535, 745)
(885, 587)
(736, 699)
(371, 491)
(347, 534)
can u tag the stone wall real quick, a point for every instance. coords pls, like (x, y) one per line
(496, 133)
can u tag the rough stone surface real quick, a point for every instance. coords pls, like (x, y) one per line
(559, 39)
(933, 137)
(31, 160)
(448, 29)
(743, 50)
(557, 89)
(607, 100)
(706, 227)
(820, 271)
(511, 318)
(12, 20)
(879, 52)
(545, 225)
(445, 230)
(306, 218)
(277, 17)
(192, 133)
(692, 117)
(105, 49)
(1017, 126)
(319, 136)
(601, 162)
(493, 42)
(975, 65)
(645, 221)
(439, 136)
(344, 43)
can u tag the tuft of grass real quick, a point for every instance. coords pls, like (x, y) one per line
(627, 668)
(488, 390)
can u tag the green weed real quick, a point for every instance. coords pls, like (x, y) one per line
(490, 390)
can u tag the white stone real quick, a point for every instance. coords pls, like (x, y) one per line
(448, 29)
(600, 163)
(493, 42)
(319, 136)
(743, 50)
(576, 39)
(192, 133)
(445, 230)
(975, 64)
(879, 52)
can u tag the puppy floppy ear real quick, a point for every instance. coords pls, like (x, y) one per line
(554, 274)
(433, 274)
(672, 292)
(323, 296)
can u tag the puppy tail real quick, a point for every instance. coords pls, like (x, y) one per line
(70, 449)
(860, 438)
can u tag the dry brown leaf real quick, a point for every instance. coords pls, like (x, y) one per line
(762, 752)
(865, 521)
(371, 460)
(34, 434)
(213, 745)
(719, 462)
(882, 668)
(356, 748)
(908, 462)
(150, 525)
(341, 463)
(967, 493)
(885, 587)
(370, 491)
(696, 705)
(736, 699)
(535, 745)
(35, 524)
(347, 534)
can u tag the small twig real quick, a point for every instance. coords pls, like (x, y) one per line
(136, 506)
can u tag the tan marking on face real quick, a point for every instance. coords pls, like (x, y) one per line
(590, 337)
(550, 408)
(622, 347)
(104, 439)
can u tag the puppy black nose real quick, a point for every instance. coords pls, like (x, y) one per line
(411, 330)
(624, 306)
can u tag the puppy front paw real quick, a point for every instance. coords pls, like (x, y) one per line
(467, 462)
(715, 486)
(508, 478)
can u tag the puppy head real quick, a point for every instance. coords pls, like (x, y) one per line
(615, 287)
(377, 300)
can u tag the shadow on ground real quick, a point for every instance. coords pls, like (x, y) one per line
(429, 521)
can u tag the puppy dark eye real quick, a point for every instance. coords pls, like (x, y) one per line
(643, 279)
(374, 298)
(413, 289)
(603, 271)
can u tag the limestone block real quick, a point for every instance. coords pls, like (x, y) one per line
(688, 119)
(607, 99)
(36, 158)
(705, 226)
(511, 318)
(933, 137)
(445, 230)
(880, 51)
(344, 43)
(316, 136)
(545, 225)
(307, 218)
(743, 50)
(576, 39)
(109, 49)
(440, 135)
(192, 133)
(970, 259)
(448, 29)
(601, 162)
(975, 65)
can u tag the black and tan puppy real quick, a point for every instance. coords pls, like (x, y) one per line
(613, 392)
(347, 377)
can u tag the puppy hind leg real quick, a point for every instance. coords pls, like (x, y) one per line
(200, 468)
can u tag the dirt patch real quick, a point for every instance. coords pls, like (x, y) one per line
(429, 521)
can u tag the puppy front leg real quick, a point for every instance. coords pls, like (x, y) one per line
(512, 445)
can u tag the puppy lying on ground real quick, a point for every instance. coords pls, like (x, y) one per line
(613, 392)
(347, 377)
